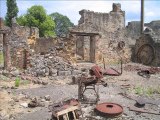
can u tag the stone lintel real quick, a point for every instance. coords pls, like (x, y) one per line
(84, 33)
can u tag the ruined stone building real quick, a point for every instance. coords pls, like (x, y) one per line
(111, 29)
(98, 38)
(114, 40)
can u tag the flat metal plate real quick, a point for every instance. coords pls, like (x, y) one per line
(109, 109)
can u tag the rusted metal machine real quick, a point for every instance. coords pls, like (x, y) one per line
(85, 83)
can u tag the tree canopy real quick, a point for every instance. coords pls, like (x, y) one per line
(62, 24)
(12, 11)
(36, 17)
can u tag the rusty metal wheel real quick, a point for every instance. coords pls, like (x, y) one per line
(109, 109)
(145, 54)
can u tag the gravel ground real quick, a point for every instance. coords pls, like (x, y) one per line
(129, 82)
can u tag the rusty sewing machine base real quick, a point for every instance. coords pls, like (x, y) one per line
(89, 83)
(86, 83)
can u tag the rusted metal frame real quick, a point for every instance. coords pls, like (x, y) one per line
(82, 88)
(93, 88)
(118, 73)
(85, 82)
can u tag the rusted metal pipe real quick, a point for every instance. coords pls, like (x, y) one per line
(142, 16)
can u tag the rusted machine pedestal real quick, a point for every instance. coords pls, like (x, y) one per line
(86, 84)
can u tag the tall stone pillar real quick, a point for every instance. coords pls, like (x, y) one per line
(93, 47)
(6, 51)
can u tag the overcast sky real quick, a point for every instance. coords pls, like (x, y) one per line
(71, 8)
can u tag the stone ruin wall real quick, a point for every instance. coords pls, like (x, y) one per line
(19, 43)
(111, 26)
(41, 56)
(147, 46)
(136, 40)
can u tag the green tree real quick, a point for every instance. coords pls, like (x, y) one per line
(22, 20)
(36, 17)
(12, 11)
(62, 24)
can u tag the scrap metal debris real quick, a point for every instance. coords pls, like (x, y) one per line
(65, 110)
(144, 73)
(148, 71)
(142, 110)
(152, 70)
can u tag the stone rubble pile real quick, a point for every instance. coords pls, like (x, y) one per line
(51, 65)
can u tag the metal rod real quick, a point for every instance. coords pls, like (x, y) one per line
(142, 16)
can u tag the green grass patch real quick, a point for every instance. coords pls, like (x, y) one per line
(147, 91)
(17, 82)
(139, 90)
(1, 58)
